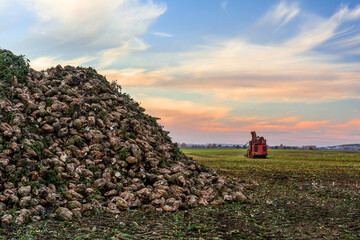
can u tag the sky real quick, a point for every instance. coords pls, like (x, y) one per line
(212, 70)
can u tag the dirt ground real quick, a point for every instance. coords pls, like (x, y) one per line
(283, 206)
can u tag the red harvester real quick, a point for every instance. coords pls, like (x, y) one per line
(257, 147)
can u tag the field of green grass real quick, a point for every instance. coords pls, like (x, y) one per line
(293, 194)
(299, 164)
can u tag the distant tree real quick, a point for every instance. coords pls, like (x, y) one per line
(183, 145)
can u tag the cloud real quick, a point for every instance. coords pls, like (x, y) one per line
(352, 124)
(350, 45)
(197, 122)
(292, 86)
(294, 125)
(224, 4)
(183, 110)
(134, 76)
(281, 14)
(349, 42)
(288, 120)
(345, 14)
(78, 28)
(42, 63)
(317, 30)
(310, 124)
(184, 117)
(110, 55)
(354, 51)
(287, 71)
(161, 34)
(98, 23)
(3, 5)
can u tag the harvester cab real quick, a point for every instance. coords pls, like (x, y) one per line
(257, 147)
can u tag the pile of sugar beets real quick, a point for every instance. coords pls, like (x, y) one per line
(72, 144)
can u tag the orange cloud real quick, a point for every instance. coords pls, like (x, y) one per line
(135, 76)
(218, 119)
(190, 118)
(186, 118)
(311, 124)
(288, 120)
(352, 124)
(182, 115)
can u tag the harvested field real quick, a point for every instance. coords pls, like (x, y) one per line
(301, 195)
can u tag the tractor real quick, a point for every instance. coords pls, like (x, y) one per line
(257, 147)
